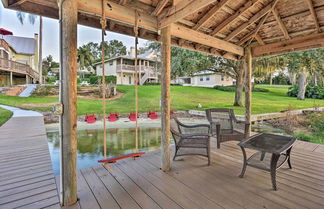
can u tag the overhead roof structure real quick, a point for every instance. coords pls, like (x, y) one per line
(220, 27)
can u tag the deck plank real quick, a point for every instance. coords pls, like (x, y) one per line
(26, 174)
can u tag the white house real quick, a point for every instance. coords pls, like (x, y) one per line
(123, 67)
(206, 78)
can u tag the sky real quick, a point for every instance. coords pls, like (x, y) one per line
(9, 21)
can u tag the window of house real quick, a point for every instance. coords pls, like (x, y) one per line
(207, 78)
(201, 79)
(111, 63)
(222, 78)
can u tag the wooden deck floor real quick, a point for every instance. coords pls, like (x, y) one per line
(26, 174)
(26, 178)
(192, 184)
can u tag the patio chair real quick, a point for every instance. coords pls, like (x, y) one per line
(190, 139)
(225, 126)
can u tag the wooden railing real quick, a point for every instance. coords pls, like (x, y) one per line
(16, 67)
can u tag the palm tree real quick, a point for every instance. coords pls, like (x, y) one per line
(32, 18)
(85, 56)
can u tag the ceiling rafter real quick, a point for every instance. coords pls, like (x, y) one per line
(210, 14)
(252, 20)
(123, 2)
(259, 39)
(159, 7)
(181, 10)
(280, 23)
(234, 16)
(313, 13)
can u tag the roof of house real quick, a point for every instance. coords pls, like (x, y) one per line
(21, 45)
(205, 72)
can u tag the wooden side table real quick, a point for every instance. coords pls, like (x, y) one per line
(273, 152)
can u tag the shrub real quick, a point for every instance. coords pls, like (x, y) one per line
(94, 79)
(232, 89)
(314, 92)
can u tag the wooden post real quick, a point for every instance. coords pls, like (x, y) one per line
(121, 71)
(27, 80)
(248, 86)
(11, 82)
(68, 97)
(165, 97)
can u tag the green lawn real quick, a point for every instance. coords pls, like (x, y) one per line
(4, 115)
(183, 98)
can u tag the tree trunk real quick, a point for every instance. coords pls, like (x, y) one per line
(270, 79)
(302, 81)
(239, 87)
(292, 78)
(40, 59)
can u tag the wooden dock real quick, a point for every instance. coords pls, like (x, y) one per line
(192, 184)
(26, 174)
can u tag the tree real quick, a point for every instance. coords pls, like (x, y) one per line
(234, 69)
(113, 49)
(184, 61)
(304, 63)
(48, 64)
(32, 18)
(266, 66)
(85, 56)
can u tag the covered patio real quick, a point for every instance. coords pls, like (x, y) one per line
(234, 29)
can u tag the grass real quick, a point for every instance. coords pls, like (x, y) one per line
(182, 98)
(315, 124)
(5, 115)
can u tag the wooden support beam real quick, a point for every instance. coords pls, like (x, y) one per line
(165, 98)
(234, 16)
(314, 16)
(11, 82)
(210, 14)
(280, 23)
(252, 20)
(118, 12)
(123, 2)
(68, 98)
(259, 39)
(294, 44)
(18, 2)
(159, 7)
(204, 39)
(248, 86)
(178, 12)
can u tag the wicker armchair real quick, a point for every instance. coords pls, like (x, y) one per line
(191, 139)
(225, 126)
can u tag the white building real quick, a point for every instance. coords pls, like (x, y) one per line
(206, 78)
(123, 67)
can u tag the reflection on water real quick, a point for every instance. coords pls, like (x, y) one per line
(119, 141)
(264, 127)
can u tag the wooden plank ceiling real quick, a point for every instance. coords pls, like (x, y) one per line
(222, 27)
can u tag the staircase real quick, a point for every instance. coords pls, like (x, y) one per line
(144, 78)
(28, 90)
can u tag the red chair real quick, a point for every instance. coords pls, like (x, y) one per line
(132, 117)
(90, 118)
(113, 117)
(152, 115)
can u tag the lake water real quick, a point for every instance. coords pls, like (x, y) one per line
(90, 144)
